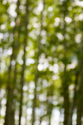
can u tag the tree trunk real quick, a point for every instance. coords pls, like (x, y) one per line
(66, 107)
(24, 59)
(64, 78)
(10, 106)
(80, 99)
(36, 72)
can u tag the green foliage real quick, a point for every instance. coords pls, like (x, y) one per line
(53, 53)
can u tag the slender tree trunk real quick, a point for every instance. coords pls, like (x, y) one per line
(34, 100)
(72, 105)
(80, 89)
(64, 79)
(75, 94)
(49, 120)
(9, 115)
(40, 120)
(13, 100)
(80, 99)
(36, 73)
(66, 107)
(8, 104)
(66, 99)
(24, 59)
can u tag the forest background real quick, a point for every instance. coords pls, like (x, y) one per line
(41, 62)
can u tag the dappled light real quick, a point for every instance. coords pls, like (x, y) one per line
(41, 62)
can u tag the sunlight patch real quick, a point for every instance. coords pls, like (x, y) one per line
(40, 6)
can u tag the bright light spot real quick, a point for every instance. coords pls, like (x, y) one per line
(23, 120)
(38, 88)
(27, 48)
(79, 3)
(43, 66)
(43, 33)
(50, 9)
(3, 26)
(36, 25)
(12, 24)
(43, 41)
(12, 1)
(72, 65)
(29, 111)
(3, 102)
(2, 92)
(78, 38)
(30, 96)
(40, 6)
(55, 68)
(74, 116)
(20, 61)
(4, 2)
(71, 87)
(68, 19)
(9, 52)
(42, 97)
(1, 50)
(3, 111)
(44, 123)
(1, 124)
(40, 67)
(30, 61)
(32, 34)
(37, 122)
(45, 83)
(13, 62)
(42, 58)
(57, 21)
(16, 117)
(55, 116)
(25, 88)
(38, 31)
(15, 0)
(1, 35)
(54, 77)
(32, 86)
(60, 36)
(80, 17)
(11, 10)
(51, 68)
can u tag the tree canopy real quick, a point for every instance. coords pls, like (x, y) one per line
(41, 62)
